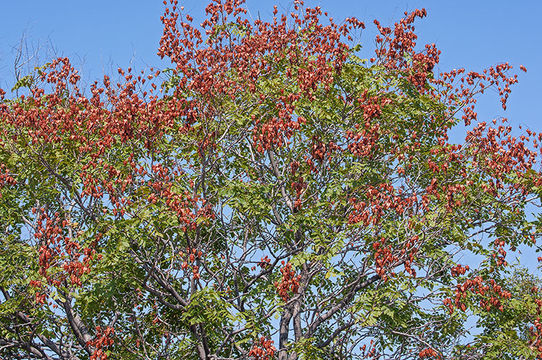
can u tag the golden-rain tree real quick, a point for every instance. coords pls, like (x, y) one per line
(275, 196)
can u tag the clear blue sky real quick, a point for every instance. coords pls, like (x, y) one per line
(100, 36)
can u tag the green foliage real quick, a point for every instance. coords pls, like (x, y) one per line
(276, 197)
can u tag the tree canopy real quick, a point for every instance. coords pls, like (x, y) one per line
(270, 195)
